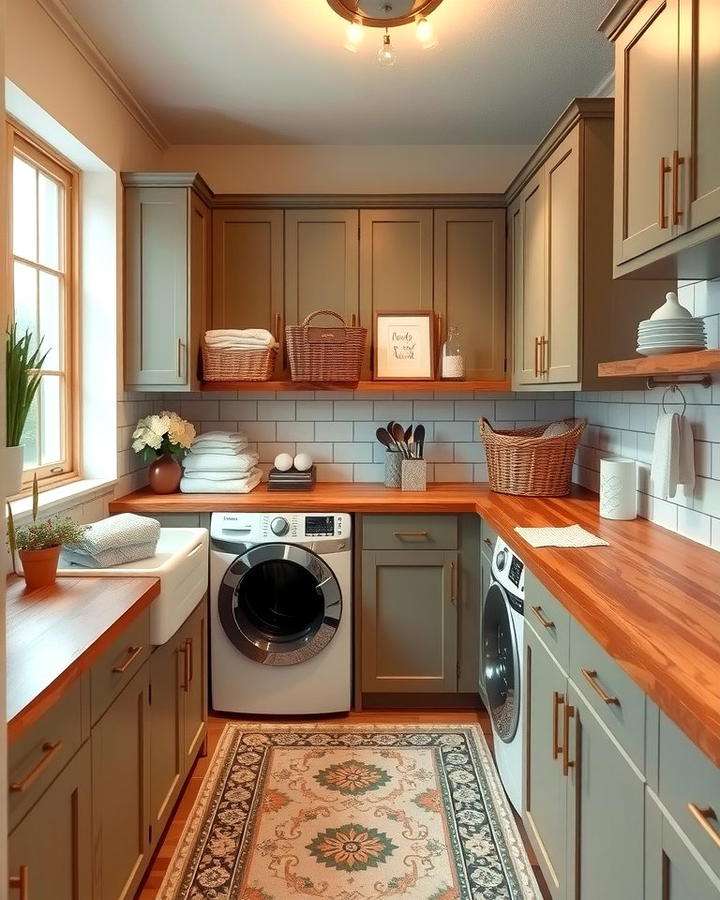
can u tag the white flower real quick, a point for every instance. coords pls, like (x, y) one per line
(154, 429)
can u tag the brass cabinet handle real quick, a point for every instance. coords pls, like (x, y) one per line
(50, 751)
(20, 883)
(133, 652)
(187, 663)
(558, 700)
(191, 665)
(180, 346)
(544, 342)
(677, 161)
(453, 584)
(705, 817)
(567, 762)
(410, 534)
(663, 171)
(590, 675)
(537, 365)
(544, 621)
(488, 542)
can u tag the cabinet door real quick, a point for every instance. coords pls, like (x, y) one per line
(470, 285)
(672, 869)
(121, 792)
(546, 791)
(199, 250)
(247, 273)
(606, 813)
(53, 843)
(699, 133)
(396, 263)
(166, 723)
(321, 263)
(561, 349)
(156, 288)
(646, 128)
(530, 314)
(409, 621)
(194, 684)
(485, 570)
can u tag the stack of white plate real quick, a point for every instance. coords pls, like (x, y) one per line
(671, 336)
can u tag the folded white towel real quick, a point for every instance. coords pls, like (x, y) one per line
(198, 462)
(665, 469)
(232, 438)
(213, 450)
(125, 530)
(236, 486)
(208, 475)
(107, 559)
(686, 461)
(242, 339)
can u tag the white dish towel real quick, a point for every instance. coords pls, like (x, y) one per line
(673, 460)
(206, 462)
(571, 536)
(191, 485)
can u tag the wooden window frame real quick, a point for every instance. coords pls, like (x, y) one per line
(40, 155)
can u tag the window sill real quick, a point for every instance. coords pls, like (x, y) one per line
(55, 499)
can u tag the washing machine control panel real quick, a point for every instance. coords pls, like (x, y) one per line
(307, 529)
(507, 569)
(323, 526)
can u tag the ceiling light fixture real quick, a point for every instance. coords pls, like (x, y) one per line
(385, 14)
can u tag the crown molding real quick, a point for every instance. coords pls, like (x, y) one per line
(89, 51)
(192, 180)
(358, 201)
(618, 17)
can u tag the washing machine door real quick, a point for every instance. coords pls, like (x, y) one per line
(500, 663)
(280, 604)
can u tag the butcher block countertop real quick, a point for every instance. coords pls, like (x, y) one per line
(55, 634)
(651, 599)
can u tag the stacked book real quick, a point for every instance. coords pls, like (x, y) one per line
(292, 480)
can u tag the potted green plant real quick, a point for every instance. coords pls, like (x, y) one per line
(39, 543)
(22, 363)
(163, 440)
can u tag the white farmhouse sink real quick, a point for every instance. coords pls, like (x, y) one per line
(181, 564)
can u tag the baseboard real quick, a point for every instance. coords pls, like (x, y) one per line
(422, 701)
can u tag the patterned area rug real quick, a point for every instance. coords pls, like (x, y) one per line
(350, 812)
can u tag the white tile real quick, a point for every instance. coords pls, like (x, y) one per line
(707, 496)
(320, 451)
(238, 409)
(275, 410)
(629, 442)
(619, 415)
(437, 410)
(333, 431)
(716, 534)
(375, 395)
(715, 460)
(439, 453)
(257, 431)
(474, 410)
(511, 410)
(470, 453)
(398, 411)
(295, 431)
(352, 411)
(268, 452)
(193, 410)
(334, 395)
(353, 453)
(365, 431)
(703, 458)
(454, 431)
(453, 472)
(662, 513)
(313, 410)
(368, 472)
(480, 472)
(334, 472)
(694, 525)
(546, 410)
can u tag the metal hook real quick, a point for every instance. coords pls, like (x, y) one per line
(672, 389)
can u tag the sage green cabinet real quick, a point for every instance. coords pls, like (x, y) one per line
(167, 280)
(51, 847)
(121, 792)
(193, 635)
(409, 621)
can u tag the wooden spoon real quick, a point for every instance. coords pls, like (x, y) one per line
(419, 439)
(386, 439)
(398, 433)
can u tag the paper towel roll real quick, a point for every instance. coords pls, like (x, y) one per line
(618, 488)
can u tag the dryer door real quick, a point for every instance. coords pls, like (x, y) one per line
(279, 604)
(501, 663)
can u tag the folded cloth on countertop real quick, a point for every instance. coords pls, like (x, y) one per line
(205, 462)
(218, 476)
(240, 339)
(571, 536)
(221, 437)
(192, 485)
(219, 450)
(115, 540)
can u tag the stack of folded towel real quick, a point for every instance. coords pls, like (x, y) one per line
(219, 462)
(240, 339)
(111, 542)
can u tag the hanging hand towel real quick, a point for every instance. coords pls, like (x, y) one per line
(236, 486)
(666, 455)
(198, 462)
(686, 463)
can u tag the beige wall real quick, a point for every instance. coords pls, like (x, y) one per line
(325, 169)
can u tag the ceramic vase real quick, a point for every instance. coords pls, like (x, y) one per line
(393, 465)
(413, 475)
(618, 488)
(164, 474)
(40, 566)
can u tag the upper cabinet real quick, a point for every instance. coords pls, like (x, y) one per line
(667, 130)
(167, 272)
(568, 313)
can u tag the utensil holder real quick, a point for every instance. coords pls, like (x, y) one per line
(393, 467)
(413, 476)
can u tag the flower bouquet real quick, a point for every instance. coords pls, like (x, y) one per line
(163, 440)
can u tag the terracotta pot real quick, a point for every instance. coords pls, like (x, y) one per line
(165, 473)
(40, 566)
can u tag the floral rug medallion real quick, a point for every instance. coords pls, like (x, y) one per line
(350, 813)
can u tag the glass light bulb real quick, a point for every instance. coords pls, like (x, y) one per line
(386, 55)
(425, 34)
(354, 35)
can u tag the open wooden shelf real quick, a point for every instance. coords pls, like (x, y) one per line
(696, 362)
(360, 386)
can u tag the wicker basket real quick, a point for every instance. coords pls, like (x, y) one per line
(327, 354)
(237, 365)
(526, 464)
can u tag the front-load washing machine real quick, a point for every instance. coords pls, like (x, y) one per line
(502, 666)
(281, 613)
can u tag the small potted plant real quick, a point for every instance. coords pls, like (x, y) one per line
(22, 382)
(39, 543)
(163, 440)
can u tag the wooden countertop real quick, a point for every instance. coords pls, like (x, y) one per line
(54, 635)
(651, 599)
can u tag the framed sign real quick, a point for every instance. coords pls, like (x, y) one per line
(403, 346)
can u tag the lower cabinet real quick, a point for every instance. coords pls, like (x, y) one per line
(120, 791)
(584, 799)
(49, 853)
(193, 635)
(409, 621)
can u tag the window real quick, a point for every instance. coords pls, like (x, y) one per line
(43, 193)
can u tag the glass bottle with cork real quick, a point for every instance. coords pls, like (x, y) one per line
(452, 361)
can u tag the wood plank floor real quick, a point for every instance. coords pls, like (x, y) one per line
(148, 890)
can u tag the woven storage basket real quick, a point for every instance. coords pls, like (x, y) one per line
(237, 365)
(525, 463)
(329, 353)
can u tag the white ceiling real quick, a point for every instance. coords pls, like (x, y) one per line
(275, 71)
